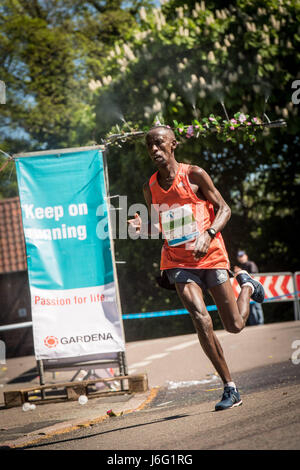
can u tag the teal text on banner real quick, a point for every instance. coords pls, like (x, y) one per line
(63, 201)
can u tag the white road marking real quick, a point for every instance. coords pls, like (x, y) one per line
(173, 385)
(221, 334)
(156, 356)
(140, 364)
(132, 368)
(183, 345)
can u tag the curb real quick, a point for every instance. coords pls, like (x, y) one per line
(67, 426)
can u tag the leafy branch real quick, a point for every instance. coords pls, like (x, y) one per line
(225, 130)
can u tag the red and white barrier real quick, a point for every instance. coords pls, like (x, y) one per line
(278, 286)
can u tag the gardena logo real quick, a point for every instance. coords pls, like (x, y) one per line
(52, 341)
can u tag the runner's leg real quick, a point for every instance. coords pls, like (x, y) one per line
(191, 296)
(234, 313)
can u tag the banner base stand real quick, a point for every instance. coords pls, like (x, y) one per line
(89, 364)
(53, 393)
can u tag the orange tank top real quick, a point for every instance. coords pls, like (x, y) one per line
(182, 217)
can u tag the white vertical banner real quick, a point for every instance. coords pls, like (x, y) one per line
(75, 310)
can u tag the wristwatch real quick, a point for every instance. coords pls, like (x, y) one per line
(211, 232)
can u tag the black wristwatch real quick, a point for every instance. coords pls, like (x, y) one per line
(211, 232)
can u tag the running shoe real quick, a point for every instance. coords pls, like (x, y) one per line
(230, 399)
(259, 293)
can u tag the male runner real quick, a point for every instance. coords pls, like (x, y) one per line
(195, 258)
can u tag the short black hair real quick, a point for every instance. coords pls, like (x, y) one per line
(161, 126)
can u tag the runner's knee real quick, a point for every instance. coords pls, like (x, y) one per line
(235, 327)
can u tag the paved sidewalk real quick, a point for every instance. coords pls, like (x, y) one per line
(19, 428)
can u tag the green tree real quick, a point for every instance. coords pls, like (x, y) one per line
(183, 61)
(48, 53)
(75, 69)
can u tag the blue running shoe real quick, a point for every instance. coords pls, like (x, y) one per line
(259, 293)
(230, 399)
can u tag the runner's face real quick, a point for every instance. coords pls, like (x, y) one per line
(160, 147)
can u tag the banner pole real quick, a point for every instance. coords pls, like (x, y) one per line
(122, 357)
(296, 298)
(40, 367)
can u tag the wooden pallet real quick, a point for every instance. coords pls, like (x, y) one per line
(73, 390)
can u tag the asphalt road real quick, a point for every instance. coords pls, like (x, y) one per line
(184, 419)
(181, 415)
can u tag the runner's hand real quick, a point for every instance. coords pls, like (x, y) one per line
(136, 222)
(236, 269)
(202, 245)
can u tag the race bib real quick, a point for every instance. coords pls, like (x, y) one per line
(179, 225)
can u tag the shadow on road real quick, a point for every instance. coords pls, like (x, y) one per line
(168, 418)
(26, 376)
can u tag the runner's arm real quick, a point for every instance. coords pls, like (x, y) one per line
(199, 177)
(153, 225)
(147, 196)
(137, 221)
